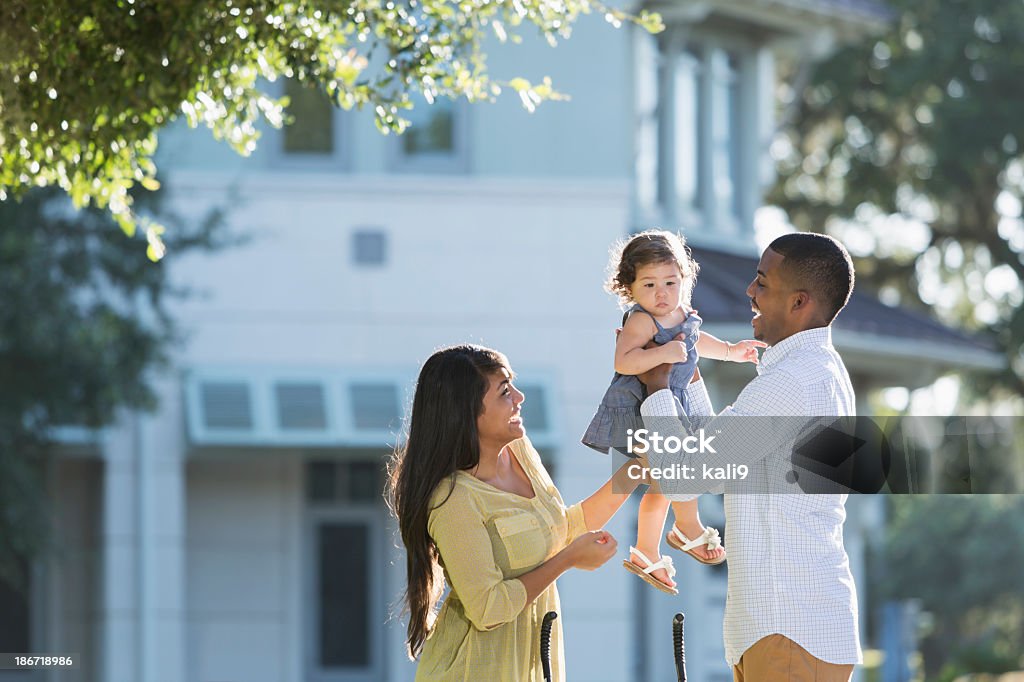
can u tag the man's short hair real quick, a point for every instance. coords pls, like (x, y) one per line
(819, 264)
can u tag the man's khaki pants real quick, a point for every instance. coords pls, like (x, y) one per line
(779, 659)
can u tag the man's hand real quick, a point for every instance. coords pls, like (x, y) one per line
(656, 378)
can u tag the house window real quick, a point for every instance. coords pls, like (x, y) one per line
(725, 130)
(312, 128)
(692, 142)
(431, 129)
(315, 138)
(344, 594)
(436, 138)
(687, 76)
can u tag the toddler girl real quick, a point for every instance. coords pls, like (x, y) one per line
(654, 274)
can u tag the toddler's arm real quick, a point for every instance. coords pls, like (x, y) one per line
(630, 355)
(714, 348)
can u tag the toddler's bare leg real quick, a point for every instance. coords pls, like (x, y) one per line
(650, 524)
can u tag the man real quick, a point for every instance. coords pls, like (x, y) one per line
(791, 610)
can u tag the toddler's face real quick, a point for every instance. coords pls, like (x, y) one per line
(658, 287)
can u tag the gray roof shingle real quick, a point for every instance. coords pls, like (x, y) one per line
(875, 9)
(720, 296)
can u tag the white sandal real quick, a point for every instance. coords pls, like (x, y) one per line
(645, 573)
(709, 537)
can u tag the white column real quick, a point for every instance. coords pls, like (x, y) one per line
(142, 604)
(162, 512)
(117, 614)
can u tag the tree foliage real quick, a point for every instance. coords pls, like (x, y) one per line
(909, 147)
(961, 556)
(84, 319)
(85, 86)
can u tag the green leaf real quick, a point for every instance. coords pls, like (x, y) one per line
(519, 84)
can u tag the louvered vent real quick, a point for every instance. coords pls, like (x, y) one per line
(374, 406)
(300, 406)
(226, 405)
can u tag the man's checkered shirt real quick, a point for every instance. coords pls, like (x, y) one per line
(788, 570)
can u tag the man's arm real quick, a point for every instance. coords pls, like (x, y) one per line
(773, 414)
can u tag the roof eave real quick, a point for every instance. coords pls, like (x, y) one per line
(943, 356)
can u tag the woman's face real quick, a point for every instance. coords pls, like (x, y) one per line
(500, 422)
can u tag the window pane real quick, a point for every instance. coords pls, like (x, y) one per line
(647, 74)
(735, 139)
(344, 595)
(312, 131)
(322, 481)
(687, 88)
(724, 137)
(364, 482)
(431, 129)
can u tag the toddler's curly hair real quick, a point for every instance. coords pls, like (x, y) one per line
(650, 247)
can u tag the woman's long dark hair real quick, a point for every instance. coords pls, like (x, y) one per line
(442, 439)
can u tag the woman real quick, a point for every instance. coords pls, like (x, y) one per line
(474, 500)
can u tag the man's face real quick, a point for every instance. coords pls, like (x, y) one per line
(770, 300)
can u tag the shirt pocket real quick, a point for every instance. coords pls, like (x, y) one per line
(523, 539)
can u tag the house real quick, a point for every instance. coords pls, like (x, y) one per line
(238, 534)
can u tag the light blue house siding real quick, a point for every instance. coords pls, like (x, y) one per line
(587, 137)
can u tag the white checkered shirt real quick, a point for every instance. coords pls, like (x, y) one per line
(788, 569)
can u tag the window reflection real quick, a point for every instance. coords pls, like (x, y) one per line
(431, 130)
(725, 130)
(691, 139)
(687, 85)
(312, 130)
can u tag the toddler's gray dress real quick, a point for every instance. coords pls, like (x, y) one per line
(620, 408)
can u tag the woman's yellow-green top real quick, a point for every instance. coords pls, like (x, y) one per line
(486, 538)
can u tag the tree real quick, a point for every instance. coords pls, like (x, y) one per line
(84, 87)
(961, 556)
(909, 148)
(84, 318)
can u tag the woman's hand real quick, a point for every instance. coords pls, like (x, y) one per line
(591, 550)
(588, 551)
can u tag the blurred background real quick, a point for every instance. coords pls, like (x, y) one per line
(200, 496)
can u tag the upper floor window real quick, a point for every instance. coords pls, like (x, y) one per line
(318, 135)
(696, 149)
(435, 140)
(315, 134)
(312, 130)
